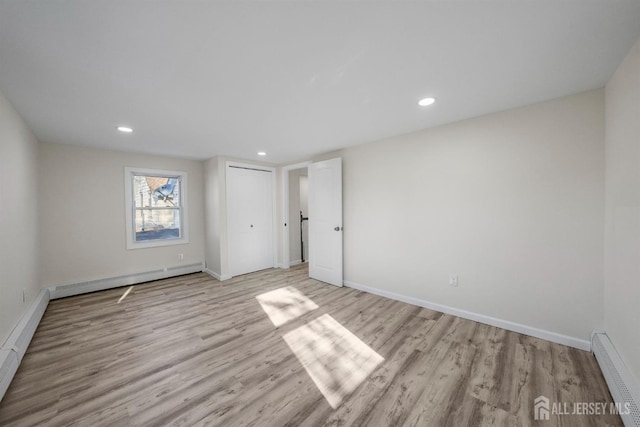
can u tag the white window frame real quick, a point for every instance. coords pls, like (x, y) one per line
(129, 173)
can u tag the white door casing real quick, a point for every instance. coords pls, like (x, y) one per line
(249, 219)
(325, 221)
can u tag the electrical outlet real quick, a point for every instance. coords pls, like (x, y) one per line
(180, 257)
(453, 280)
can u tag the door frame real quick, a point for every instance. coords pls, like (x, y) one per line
(284, 176)
(274, 237)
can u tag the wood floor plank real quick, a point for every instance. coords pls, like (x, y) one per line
(192, 350)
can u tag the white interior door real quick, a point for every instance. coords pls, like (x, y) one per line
(249, 219)
(325, 221)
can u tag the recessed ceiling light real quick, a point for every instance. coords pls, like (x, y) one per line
(424, 102)
(261, 153)
(125, 129)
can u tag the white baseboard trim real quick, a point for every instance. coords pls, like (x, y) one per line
(14, 348)
(62, 291)
(217, 276)
(622, 385)
(481, 318)
(296, 262)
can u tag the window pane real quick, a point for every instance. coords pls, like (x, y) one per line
(157, 224)
(156, 191)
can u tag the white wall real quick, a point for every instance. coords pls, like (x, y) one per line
(214, 214)
(510, 202)
(622, 248)
(18, 217)
(82, 214)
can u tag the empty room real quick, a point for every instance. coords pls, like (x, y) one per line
(320, 213)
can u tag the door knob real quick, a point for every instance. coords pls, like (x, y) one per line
(251, 225)
(337, 228)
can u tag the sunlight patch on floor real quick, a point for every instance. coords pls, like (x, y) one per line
(125, 294)
(285, 304)
(336, 360)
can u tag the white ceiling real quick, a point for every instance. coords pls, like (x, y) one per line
(203, 78)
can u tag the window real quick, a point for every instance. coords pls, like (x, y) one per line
(156, 211)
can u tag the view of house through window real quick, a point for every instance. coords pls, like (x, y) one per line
(158, 207)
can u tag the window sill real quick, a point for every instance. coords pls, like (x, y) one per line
(156, 243)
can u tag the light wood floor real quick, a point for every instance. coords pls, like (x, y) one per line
(195, 351)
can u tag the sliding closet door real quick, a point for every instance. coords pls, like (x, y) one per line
(249, 219)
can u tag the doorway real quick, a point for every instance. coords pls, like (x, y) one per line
(318, 234)
(292, 250)
(298, 217)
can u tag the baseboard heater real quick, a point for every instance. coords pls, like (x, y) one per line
(62, 291)
(15, 347)
(621, 383)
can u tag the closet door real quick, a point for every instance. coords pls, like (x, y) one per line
(249, 219)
